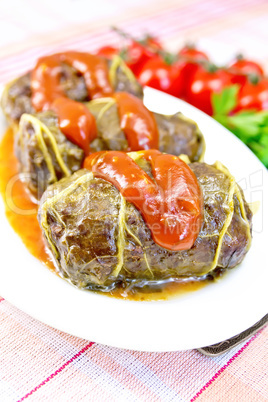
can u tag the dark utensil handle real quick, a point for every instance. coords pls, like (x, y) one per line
(221, 347)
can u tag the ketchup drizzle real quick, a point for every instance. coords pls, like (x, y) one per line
(137, 122)
(171, 204)
(45, 79)
(76, 122)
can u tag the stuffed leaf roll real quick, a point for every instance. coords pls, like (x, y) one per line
(19, 95)
(100, 240)
(46, 154)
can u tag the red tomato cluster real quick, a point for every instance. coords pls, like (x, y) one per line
(172, 77)
(136, 54)
(190, 75)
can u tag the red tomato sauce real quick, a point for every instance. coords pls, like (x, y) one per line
(45, 78)
(171, 204)
(137, 122)
(76, 122)
(21, 210)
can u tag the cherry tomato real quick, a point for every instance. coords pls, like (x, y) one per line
(253, 95)
(241, 68)
(191, 53)
(156, 73)
(246, 67)
(203, 84)
(192, 57)
(108, 51)
(138, 53)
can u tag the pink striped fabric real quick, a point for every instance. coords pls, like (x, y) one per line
(166, 22)
(41, 363)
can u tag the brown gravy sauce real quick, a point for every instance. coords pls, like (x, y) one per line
(21, 212)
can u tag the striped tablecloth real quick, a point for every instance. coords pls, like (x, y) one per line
(41, 363)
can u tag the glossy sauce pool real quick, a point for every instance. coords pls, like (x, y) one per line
(21, 212)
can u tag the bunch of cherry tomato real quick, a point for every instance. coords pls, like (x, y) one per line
(191, 76)
(235, 95)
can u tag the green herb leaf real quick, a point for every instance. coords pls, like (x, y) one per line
(252, 128)
(250, 117)
(225, 101)
(260, 149)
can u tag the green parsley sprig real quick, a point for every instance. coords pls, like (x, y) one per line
(250, 126)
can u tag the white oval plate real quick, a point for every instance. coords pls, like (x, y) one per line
(209, 315)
